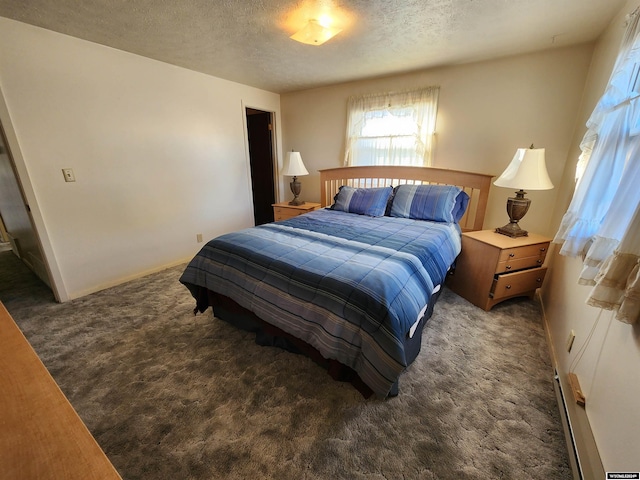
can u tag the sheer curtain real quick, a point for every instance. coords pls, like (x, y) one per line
(618, 281)
(600, 219)
(394, 128)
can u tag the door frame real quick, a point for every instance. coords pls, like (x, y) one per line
(275, 145)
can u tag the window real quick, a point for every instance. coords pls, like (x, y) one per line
(603, 219)
(392, 128)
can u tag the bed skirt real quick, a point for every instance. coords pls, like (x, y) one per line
(229, 311)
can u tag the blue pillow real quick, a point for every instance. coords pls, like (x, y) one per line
(363, 201)
(462, 202)
(437, 203)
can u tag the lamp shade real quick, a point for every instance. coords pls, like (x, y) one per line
(293, 166)
(527, 171)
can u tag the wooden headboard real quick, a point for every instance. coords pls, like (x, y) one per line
(476, 185)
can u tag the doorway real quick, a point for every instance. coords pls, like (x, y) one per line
(261, 156)
(17, 230)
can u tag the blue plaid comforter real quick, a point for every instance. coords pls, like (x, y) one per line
(349, 285)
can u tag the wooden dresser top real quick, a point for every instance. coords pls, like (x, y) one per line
(41, 435)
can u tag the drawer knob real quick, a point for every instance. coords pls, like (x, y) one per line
(508, 267)
(512, 255)
(543, 249)
(539, 261)
(539, 280)
(508, 287)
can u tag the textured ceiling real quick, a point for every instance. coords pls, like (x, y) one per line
(247, 41)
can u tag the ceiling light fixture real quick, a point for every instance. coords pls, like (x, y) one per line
(315, 33)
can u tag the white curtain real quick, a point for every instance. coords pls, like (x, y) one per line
(618, 281)
(600, 218)
(395, 128)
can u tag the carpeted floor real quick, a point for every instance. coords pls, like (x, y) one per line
(169, 395)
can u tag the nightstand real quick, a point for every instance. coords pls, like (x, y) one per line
(493, 267)
(282, 210)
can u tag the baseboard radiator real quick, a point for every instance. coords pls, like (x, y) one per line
(583, 453)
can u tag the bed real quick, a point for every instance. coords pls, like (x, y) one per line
(350, 285)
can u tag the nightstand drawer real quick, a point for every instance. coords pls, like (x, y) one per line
(280, 213)
(516, 264)
(517, 283)
(539, 250)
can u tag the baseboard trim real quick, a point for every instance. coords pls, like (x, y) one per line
(120, 281)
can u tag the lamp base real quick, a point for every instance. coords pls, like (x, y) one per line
(517, 207)
(296, 188)
(512, 230)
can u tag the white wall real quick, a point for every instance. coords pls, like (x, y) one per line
(159, 154)
(607, 359)
(486, 111)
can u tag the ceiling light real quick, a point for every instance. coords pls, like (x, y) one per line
(315, 34)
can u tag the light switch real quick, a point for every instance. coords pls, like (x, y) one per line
(68, 175)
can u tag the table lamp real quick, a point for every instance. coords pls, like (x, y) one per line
(528, 171)
(293, 167)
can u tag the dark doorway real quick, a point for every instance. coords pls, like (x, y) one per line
(18, 232)
(260, 135)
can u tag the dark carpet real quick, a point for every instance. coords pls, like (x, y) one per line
(169, 395)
